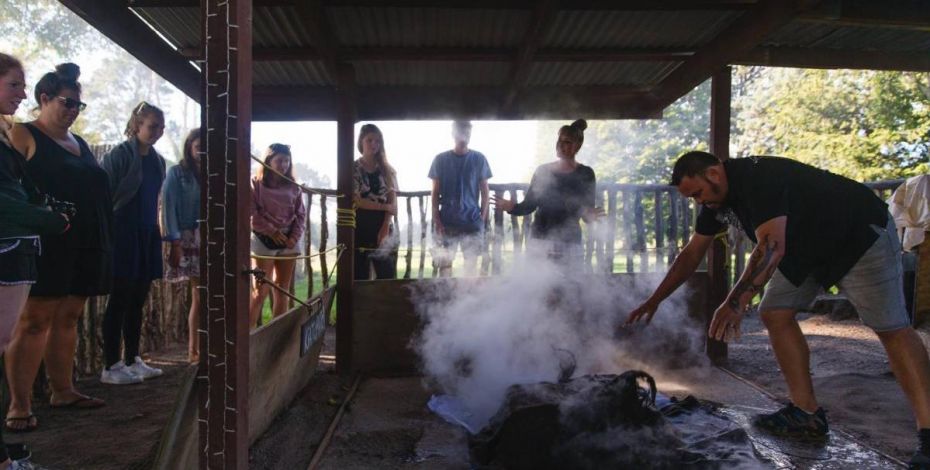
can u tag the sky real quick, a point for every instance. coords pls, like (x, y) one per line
(510, 146)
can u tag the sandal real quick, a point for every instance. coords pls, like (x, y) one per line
(31, 423)
(81, 403)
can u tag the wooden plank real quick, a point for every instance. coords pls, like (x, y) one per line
(660, 229)
(345, 225)
(639, 218)
(911, 15)
(423, 226)
(498, 237)
(312, 16)
(324, 239)
(578, 5)
(821, 58)
(115, 21)
(611, 229)
(515, 228)
(543, 17)
(468, 54)
(279, 372)
(408, 258)
(308, 245)
(227, 115)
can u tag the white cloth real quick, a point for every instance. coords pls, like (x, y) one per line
(910, 207)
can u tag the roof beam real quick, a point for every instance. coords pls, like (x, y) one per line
(740, 37)
(595, 5)
(460, 54)
(892, 14)
(115, 21)
(543, 17)
(397, 103)
(835, 59)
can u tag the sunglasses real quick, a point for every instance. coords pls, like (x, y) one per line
(72, 103)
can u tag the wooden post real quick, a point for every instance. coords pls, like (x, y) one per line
(226, 118)
(498, 239)
(717, 255)
(345, 231)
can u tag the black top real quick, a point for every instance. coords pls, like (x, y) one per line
(18, 216)
(77, 179)
(559, 200)
(828, 216)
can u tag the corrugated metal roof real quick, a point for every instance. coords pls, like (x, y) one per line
(438, 27)
(830, 36)
(592, 29)
(278, 26)
(599, 73)
(414, 73)
(290, 73)
(180, 25)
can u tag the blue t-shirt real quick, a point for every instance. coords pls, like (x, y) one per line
(459, 177)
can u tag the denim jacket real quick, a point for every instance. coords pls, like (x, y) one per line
(180, 202)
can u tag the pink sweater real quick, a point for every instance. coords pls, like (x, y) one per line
(280, 208)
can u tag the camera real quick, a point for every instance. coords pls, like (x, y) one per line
(62, 207)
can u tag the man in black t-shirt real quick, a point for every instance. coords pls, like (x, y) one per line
(813, 230)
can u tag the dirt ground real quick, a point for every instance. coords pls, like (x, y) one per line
(121, 435)
(852, 379)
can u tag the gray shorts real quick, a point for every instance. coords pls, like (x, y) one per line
(259, 248)
(874, 286)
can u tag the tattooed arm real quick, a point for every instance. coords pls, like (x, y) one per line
(761, 266)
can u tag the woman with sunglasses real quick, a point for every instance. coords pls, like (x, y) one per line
(72, 266)
(278, 216)
(136, 174)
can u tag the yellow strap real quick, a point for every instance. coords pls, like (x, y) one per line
(345, 217)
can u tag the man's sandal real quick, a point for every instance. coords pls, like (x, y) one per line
(31, 424)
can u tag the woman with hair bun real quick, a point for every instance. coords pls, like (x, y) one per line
(561, 193)
(72, 266)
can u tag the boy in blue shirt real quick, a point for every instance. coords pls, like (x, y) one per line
(459, 177)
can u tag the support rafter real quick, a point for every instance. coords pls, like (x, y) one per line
(543, 17)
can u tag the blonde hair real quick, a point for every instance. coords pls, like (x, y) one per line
(8, 63)
(390, 176)
(139, 113)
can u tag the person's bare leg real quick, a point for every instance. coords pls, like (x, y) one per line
(259, 291)
(471, 263)
(193, 323)
(911, 366)
(24, 354)
(283, 272)
(59, 351)
(793, 356)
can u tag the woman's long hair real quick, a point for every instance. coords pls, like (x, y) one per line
(138, 115)
(381, 156)
(188, 162)
(270, 152)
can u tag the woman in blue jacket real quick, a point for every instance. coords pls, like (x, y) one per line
(180, 225)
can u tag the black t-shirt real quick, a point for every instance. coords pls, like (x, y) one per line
(559, 200)
(828, 216)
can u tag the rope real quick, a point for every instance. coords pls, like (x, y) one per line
(302, 187)
(345, 217)
(312, 255)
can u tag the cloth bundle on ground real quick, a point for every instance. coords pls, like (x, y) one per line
(605, 421)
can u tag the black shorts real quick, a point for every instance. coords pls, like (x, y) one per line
(18, 261)
(68, 271)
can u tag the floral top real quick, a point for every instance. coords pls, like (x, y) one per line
(373, 186)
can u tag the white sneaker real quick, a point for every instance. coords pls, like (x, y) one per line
(143, 370)
(119, 374)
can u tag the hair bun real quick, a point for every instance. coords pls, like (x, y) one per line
(580, 124)
(68, 71)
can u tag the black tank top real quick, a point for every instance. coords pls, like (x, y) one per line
(77, 179)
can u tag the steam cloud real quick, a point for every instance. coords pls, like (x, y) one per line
(531, 324)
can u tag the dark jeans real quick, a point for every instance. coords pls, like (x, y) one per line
(385, 265)
(123, 320)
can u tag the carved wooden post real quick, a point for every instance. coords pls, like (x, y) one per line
(717, 255)
(345, 230)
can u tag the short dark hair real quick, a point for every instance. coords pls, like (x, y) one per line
(692, 163)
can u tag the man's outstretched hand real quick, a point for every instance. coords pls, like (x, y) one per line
(725, 324)
(644, 312)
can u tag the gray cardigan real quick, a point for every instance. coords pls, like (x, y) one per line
(124, 167)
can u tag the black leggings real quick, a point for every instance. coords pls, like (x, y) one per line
(123, 320)
(385, 265)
